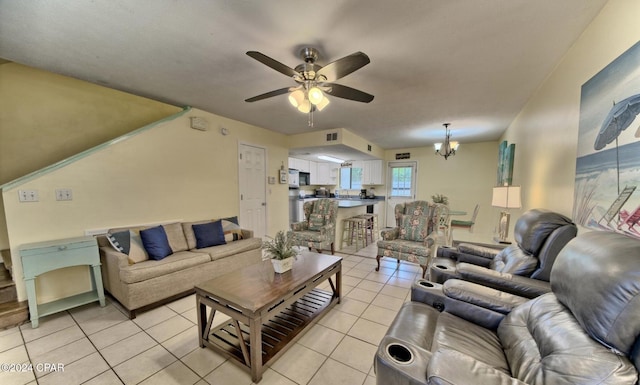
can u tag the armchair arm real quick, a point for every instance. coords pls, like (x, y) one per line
(327, 229)
(390, 234)
(471, 253)
(449, 367)
(300, 226)
(482, 296)
(514, 284)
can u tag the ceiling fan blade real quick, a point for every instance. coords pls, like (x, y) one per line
(268, 94)
(276, 65)
(340, 91)
(343, 67)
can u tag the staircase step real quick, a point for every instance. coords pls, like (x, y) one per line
(7, 291)
(13, 313)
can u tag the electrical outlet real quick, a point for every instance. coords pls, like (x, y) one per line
(28, 195)
(64, 194)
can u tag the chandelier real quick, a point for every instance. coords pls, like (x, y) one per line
(448, 148)
(309, 98)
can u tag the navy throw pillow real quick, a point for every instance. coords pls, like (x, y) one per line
(155, 242)
(209, 234)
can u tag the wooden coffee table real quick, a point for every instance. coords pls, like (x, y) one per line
(266, 309)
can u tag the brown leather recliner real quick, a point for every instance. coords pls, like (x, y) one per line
(522, 268)
(586, 331)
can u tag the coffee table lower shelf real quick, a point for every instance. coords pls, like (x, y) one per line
(277, 332)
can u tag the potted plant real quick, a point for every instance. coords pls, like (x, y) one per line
(281, 252)
(439, 198)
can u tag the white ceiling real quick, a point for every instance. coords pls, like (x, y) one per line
(473, 63)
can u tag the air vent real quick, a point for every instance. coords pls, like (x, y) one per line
(332, 136)
(369, 147)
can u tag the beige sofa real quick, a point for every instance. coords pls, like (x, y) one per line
(150, 283)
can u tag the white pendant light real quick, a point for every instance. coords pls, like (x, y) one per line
(296, 98)
(315, 95)
(305, 106)
(323, 103)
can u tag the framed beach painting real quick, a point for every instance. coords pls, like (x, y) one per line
(606, 195)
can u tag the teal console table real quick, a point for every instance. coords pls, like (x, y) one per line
(41, 257)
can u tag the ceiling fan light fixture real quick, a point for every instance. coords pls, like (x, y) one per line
(296, 98)
(315, 95)
(305, 106)
(323, 103)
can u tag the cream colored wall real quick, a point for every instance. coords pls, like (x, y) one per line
(546, 130)
(466, 179)
(167, 172)
(47, 117)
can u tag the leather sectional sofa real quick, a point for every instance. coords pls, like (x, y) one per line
(585, 331)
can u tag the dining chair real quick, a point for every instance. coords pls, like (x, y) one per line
(463, 224)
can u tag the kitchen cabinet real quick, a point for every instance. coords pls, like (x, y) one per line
(313, 173)
(299, 164)
(371, 171)
(327, 174)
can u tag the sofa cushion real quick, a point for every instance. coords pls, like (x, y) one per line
(232, 231)
(513, 260)
(208, 234)
(454, 333)
(604, 293)
(132, 246)
(316, 221)
(176, 238)
(187, 228)
(414, 228)
(232, 248)
(537, 338)
(149, 269)
(155, 242)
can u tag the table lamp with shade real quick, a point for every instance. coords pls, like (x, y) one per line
(505, 197)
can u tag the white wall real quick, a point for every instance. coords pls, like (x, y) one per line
(167, 172)
(466, 179)
(546, 130)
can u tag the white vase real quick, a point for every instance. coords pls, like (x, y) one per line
(282, 265)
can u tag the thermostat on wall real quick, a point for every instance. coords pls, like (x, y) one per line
(199, 123)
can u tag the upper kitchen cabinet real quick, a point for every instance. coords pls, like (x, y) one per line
(372, 171)
(299, 164)
(323, 173)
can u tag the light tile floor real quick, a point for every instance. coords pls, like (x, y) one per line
(97, 345)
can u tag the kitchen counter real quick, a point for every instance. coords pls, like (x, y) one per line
(348, 203)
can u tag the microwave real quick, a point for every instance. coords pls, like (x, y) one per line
(304, 178)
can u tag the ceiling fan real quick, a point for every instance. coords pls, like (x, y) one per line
(314, 80)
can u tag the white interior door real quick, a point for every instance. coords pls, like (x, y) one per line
(252, 177)
(401, 187)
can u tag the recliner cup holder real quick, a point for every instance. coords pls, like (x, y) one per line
(399, 353)
(426, 284)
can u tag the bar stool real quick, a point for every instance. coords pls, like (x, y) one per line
(354, 231)
(371, 228)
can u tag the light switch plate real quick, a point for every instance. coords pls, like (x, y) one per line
(64, 194)
(28, 195)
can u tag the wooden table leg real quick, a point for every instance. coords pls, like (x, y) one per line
(202, 319)
(255, 340)
(339, 284)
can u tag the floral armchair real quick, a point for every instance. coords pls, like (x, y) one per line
(414, 238)
(319, 230)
